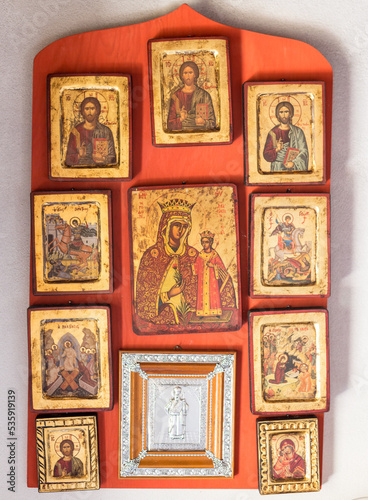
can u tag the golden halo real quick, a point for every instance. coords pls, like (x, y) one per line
(71, 437)
(67, 342)
(287, 436)
(74, 219)
(288, 215)
(54, 347)
(283, 98)
(189, 58)
(91, 93)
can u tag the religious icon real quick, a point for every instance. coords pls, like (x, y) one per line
(89, 126)
(177, 412)
(177, 409)
(191, 106)
(290, 245)
(70, 358)
(72, 242)
(289, 361)
(284, 133)
(185, 259)
(190, 95)
(289, 463)
(288, 456)
(67, 453)
(68, 465)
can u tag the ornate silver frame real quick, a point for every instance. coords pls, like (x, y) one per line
(223, 373)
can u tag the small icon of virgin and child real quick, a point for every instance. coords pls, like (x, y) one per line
(288, 463)
(178, 284)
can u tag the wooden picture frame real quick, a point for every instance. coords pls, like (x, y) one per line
(71, 242)
(287, 149)
(288, 456)
(194, 108)
(289, 364)
(124, 49)
(89, 127)
(74, 440)
(289, 245)
(70, 358)
(189, 282)
(177, 414)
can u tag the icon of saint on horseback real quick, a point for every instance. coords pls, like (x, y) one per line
(291, 260)
(68, 251)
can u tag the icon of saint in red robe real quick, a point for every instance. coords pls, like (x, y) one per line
(213, 279)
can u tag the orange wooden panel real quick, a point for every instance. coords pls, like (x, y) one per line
(177, 462)
(136, 414)
(124, 50)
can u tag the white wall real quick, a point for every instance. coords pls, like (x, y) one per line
(338, 29)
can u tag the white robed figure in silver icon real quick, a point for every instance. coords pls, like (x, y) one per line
(177, 409)
(176, 424)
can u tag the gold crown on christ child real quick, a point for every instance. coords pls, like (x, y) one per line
(207, 234)
(176, 205)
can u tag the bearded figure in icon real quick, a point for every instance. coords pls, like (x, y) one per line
(191, 106)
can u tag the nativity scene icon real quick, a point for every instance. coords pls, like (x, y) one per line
(289, 365)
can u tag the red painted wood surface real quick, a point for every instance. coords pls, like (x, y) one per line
(124, 50)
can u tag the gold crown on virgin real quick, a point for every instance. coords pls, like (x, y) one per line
(207, 234)
(176, 205)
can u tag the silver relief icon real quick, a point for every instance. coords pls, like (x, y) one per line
(177, 409)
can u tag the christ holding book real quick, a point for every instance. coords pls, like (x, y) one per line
(191, 107)
(286, 148)
(90, 142)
